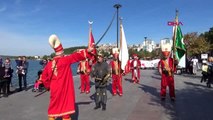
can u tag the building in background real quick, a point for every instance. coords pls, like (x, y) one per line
(148, 45)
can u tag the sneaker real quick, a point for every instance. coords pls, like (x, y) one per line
(120, 94)
(114, 94)
(87, 92)
(82, 92)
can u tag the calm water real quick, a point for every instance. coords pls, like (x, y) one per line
(34, 67)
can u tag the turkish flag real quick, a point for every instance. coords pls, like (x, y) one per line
(91, 44)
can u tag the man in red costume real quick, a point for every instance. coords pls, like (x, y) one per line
(57, 77)
(166, 69)
(84, 69)
(116, 73)
(135, 66)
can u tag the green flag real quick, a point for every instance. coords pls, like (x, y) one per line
(179, 44)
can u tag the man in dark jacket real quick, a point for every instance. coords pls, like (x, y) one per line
(100, 72)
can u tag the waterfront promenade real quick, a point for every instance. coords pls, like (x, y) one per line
(140, 102)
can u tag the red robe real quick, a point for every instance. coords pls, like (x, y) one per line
(60, 83)
(135, 70)
(116, 77)
(84, 68)
(167, 79)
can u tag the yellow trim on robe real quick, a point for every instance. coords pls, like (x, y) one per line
(62, 114)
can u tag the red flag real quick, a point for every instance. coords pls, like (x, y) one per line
(91, 43)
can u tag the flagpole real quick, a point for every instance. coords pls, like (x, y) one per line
(117, 6)
(90, 29)
(174, 37)
(120, 45)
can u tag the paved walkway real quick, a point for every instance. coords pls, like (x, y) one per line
(139, 102)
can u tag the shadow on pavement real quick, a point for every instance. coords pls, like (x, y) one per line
(76, 114)
(129, 80)
(155, 100)
(158, 78)
(191, 76)
(196, 85)
(192, 103)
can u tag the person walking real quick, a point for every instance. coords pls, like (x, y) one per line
(204, 71)
(194, 65)
(166, 67)
(57, 77)
(135, 66)
(101, 73)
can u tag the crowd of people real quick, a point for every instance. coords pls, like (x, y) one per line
(7, 71)
(56, 76)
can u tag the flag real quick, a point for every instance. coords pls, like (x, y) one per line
(123, 54)
(91, 44)
(180, 48)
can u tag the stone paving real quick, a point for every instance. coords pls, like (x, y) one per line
(140, 101)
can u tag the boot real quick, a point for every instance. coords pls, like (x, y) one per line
(97, 106)
(51, 118)
(103, 107)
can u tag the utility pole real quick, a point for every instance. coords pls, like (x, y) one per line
(117, 6)
(145, 42)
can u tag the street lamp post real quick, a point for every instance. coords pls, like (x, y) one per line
(145, 42)
(117, 6)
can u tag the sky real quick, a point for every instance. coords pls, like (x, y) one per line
(25, 25)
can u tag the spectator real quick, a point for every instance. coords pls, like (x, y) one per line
(8, 74)
(204, 71)
(25, 70)
(210, 72)
(22, 67)
(194, 65)
(43, 63)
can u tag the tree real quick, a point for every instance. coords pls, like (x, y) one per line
(196, 44)
(209, 37)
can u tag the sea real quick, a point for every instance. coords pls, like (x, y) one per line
(33, 69)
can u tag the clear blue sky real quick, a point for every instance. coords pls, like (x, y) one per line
(26, 25)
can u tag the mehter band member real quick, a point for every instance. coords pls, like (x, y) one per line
(135, 66)
(57, 77)
(84, 68)
(166, 69)
(116, 73)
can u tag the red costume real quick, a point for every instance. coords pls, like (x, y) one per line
(135, 66)
(57, 77)
(84, 69)
(127, 67)
(116, 74)
(166, 68)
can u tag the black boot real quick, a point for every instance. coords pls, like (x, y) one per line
(97, 106)
(103, 107)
